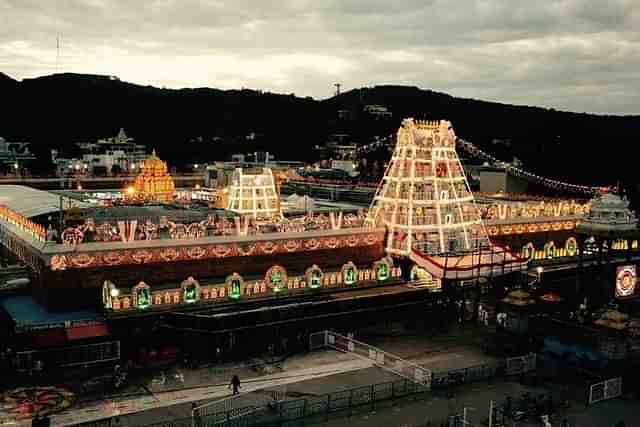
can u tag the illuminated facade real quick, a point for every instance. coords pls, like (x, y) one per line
(141, 264)
(153, 183)
(277, 280)
(425, 202)
(253, 192)
(424, 197)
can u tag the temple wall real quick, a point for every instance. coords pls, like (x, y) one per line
(81, 288)
(517, 241)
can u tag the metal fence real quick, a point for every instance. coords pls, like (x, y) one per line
(487, 371)
(521, 364)
(72, 356)
(604, 390)
(347, 400)
(381, 358)
(232, 407)
(274, 410)
(316, 406)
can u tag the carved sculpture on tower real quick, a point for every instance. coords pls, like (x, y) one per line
(153, 183)
(425, 202)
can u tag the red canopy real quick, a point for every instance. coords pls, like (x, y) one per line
(87, 331)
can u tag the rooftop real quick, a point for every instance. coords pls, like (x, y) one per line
(27, 313)
(30, 202)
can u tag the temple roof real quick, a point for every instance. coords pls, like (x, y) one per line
(30, 202)
(609, 214)
(154, 183)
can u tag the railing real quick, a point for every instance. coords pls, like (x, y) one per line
(379, 357)
(224, 409)
(73, 356)
(317, 406)
(278, 410)
(521, 364)
(604, 390)
(348, 400)
(469, 374)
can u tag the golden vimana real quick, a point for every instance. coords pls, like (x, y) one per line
(153, 183)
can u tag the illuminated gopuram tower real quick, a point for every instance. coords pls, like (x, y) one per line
(253, 192)
(425, 202)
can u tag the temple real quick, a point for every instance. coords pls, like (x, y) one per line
(425, 202)
(253, 192)
(153, 183)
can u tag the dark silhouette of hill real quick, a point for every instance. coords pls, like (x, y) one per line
(61, 109)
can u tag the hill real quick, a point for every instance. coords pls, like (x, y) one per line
(62, 109)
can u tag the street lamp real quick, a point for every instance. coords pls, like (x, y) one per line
(539, 270)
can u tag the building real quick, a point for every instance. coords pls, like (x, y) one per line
(253, 192)
(235, 280)
(607, 230)
(348, 166)
(497, 180)
(219, 174)
(378, 111)
(337, 147)
(119, 154)
(427, 207)
(153, 183)
(14, 155)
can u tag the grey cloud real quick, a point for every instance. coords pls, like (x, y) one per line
(570, 54)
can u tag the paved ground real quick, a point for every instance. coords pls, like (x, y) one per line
(176, 404)
(170, 392)
(323, 372)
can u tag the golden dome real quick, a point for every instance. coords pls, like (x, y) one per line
(153, 183)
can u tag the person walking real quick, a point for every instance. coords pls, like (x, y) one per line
(235, 385)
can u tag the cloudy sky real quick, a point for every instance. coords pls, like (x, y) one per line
(580, 55)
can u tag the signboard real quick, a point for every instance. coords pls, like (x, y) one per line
(33, 327)
(626, 281)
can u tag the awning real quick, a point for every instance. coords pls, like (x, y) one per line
(49, 337)
(87, 331)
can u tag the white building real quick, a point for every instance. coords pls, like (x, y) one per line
(348, 166)
(101, 156)
(15, 153)
(378, 111)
